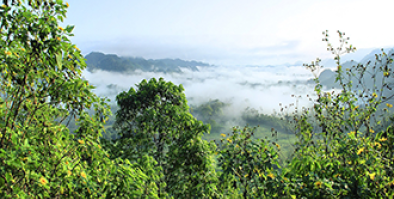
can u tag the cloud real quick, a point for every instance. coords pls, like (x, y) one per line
(254, 87)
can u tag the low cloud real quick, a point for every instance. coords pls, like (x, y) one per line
(262, 88)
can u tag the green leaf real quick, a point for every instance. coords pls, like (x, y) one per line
(59, 61)
(26, 142)
(2, 183)
(8, 177)
(14, 138)
(69, 28)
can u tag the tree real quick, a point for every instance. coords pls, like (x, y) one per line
(40, 87)
(154, 121)
(249, 168)
(338, 153)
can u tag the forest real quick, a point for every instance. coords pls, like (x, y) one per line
(113, 63)
(58, 139)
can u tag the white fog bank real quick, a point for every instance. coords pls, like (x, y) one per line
(262, 88)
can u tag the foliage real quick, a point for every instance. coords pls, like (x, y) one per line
(342, 156)
(252, 117)
(159, 152)
(154, 121)
(211, 113)
(249, 168)
(40, 87)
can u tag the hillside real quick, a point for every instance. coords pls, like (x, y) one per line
(327, 76)
(113, 63)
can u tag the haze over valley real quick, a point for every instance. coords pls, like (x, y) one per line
(260, 87)
(255, 87)
(236, 94)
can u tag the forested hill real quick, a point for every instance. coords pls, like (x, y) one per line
(113, 63)
(327, 77)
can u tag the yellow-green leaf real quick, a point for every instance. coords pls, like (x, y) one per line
(59, 61)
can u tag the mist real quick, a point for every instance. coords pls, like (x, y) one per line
(261, 88)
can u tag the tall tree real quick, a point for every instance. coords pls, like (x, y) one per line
(154, 121)
(41, 85)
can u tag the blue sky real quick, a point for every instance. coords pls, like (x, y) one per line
(228, 32)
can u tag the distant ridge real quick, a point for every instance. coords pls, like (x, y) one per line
(327, 77)
(113, 63)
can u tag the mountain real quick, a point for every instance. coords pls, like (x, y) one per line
(113, 63)
(372, 77)
(358, 56)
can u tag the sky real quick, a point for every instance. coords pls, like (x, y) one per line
(228, 32)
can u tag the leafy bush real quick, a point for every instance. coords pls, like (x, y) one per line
(249, 168)
(339, 155)
(40, 87)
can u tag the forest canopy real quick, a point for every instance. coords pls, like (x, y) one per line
(342, 146)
